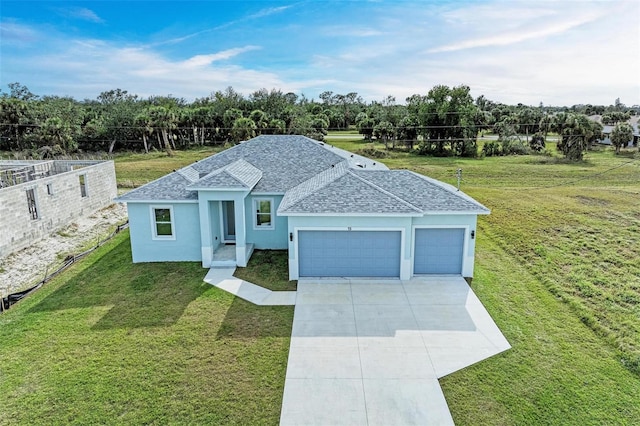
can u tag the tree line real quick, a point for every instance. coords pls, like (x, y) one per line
(445, 121)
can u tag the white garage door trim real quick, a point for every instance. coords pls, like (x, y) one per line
(297, 231)
(465, 244)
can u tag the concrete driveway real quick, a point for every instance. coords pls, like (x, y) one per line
(369, 352)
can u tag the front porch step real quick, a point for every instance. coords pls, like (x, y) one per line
(225, 255)
(223, 263)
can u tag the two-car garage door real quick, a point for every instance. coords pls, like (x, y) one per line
(349, 253)
(378, 253)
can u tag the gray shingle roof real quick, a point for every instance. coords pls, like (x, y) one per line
(285, 161)
(429, 195)
(312, 185)
(190, 173)
(237, 175)
(377, 192)
(170, 187)
(350, 194)
(315, 178)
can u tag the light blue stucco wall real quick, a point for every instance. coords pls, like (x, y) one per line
(208, 204)
(215, 221)
(272, 239)
(186, 227)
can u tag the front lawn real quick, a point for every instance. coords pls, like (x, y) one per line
(110, 342)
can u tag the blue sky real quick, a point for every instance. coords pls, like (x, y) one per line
(530, 51)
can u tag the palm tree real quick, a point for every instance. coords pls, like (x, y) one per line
(144, 122)
(165, 120)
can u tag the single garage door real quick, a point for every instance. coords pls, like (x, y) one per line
(349, 253)
(438, 251)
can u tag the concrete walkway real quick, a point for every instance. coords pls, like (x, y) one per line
(366, 352)
(371, 353)
(223, 278)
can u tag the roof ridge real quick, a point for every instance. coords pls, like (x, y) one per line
(188, 173)
(384, 191)
(340, 169)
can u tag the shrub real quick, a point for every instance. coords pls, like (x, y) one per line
(491, 149)
(537, 143)
(371, 152)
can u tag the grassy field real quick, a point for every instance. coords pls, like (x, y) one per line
(557, 267)
(135, 169)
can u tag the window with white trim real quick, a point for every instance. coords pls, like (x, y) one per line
(263, 217)
(162, 223)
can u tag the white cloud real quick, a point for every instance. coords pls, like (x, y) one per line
(84, 68)
(513, 37)
(268, 11)
(84, 14)
(351, 31)
(12, 32)
(204, 60)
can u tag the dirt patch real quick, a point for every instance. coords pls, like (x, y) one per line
(23, 268)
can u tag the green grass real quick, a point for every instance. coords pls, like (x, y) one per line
(558, 371)
(269, 269)
(135, 169)
(111, 342)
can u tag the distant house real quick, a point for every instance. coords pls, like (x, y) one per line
(607, 129)
(39, 197)
(337, 214)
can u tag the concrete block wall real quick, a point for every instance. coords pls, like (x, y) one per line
(55, 210)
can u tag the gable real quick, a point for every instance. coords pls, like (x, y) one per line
(348, 194)
(237, 175)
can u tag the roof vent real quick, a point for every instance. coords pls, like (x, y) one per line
(321, 144)
(332, 166)
(374, 164)
(351, 155)
(359, 165)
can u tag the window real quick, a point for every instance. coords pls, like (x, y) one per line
(83, 185)
(264, 214)
(49, 189)
(31, 202)
(162, 222)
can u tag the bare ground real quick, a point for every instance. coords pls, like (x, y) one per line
(22, 269)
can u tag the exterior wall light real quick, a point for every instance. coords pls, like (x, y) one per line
(290, 236)
(473, 234)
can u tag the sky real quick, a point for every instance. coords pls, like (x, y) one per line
(562, 52)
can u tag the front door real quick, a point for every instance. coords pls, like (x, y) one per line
(228, 222)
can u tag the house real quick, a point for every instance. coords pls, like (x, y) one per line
(40, 197)
(338, 214)
(605, 138)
